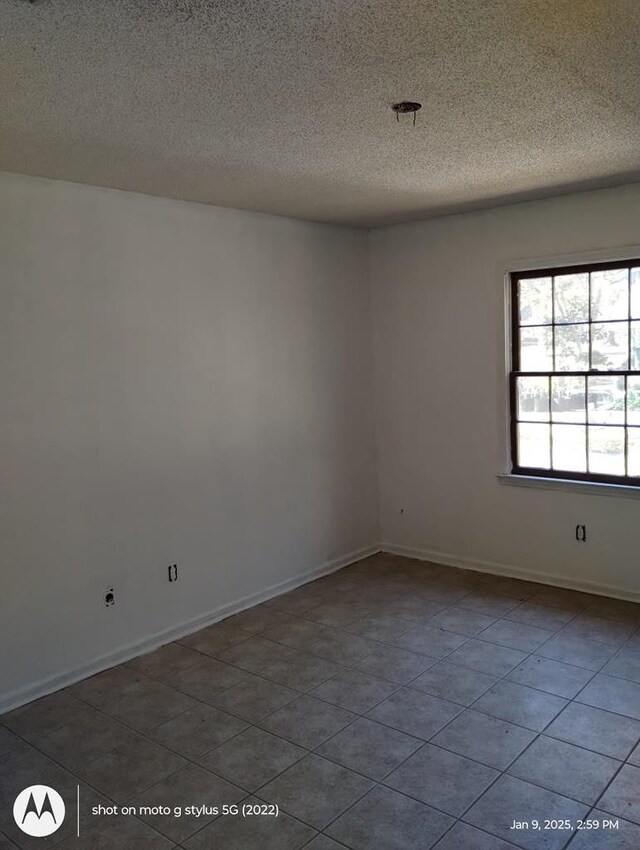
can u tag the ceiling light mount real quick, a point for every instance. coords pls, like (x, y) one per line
(404, 106)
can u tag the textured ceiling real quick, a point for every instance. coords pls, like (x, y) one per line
(283, 105)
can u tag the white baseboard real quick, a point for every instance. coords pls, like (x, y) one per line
(586, 586)
(20, 696)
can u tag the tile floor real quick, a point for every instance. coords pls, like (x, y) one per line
(394, 705)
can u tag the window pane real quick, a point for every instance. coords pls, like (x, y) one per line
(606, 400)
(534, 446)
(532, 396)
(572, 348)
(634, 451)
(534, 299)
(610, 294)
(567, 399)
(610, 345)
(535, 350)
(569, 448)
(635, 293)
(606, 450)
(635, 346)
(586, 323)
(633, 401)
(572, 298)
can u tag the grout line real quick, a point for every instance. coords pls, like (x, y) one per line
(376, 643)
(79, 779)
(500, 772)
(537, 735)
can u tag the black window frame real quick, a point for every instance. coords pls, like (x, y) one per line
(559, 474)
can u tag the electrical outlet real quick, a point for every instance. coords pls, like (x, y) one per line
(109, 598)
(581, 533)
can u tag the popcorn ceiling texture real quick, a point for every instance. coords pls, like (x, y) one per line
(283, 105)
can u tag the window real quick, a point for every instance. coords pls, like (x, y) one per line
(575, 384)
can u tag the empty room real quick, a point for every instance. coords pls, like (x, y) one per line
(320, 424)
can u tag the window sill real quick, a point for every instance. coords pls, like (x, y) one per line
(585, 488)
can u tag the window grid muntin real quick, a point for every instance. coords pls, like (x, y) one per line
(588, 424)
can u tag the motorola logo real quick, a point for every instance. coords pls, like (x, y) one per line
(39, 810)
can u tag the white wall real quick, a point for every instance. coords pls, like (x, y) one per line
(439, 384)
(179, 383)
